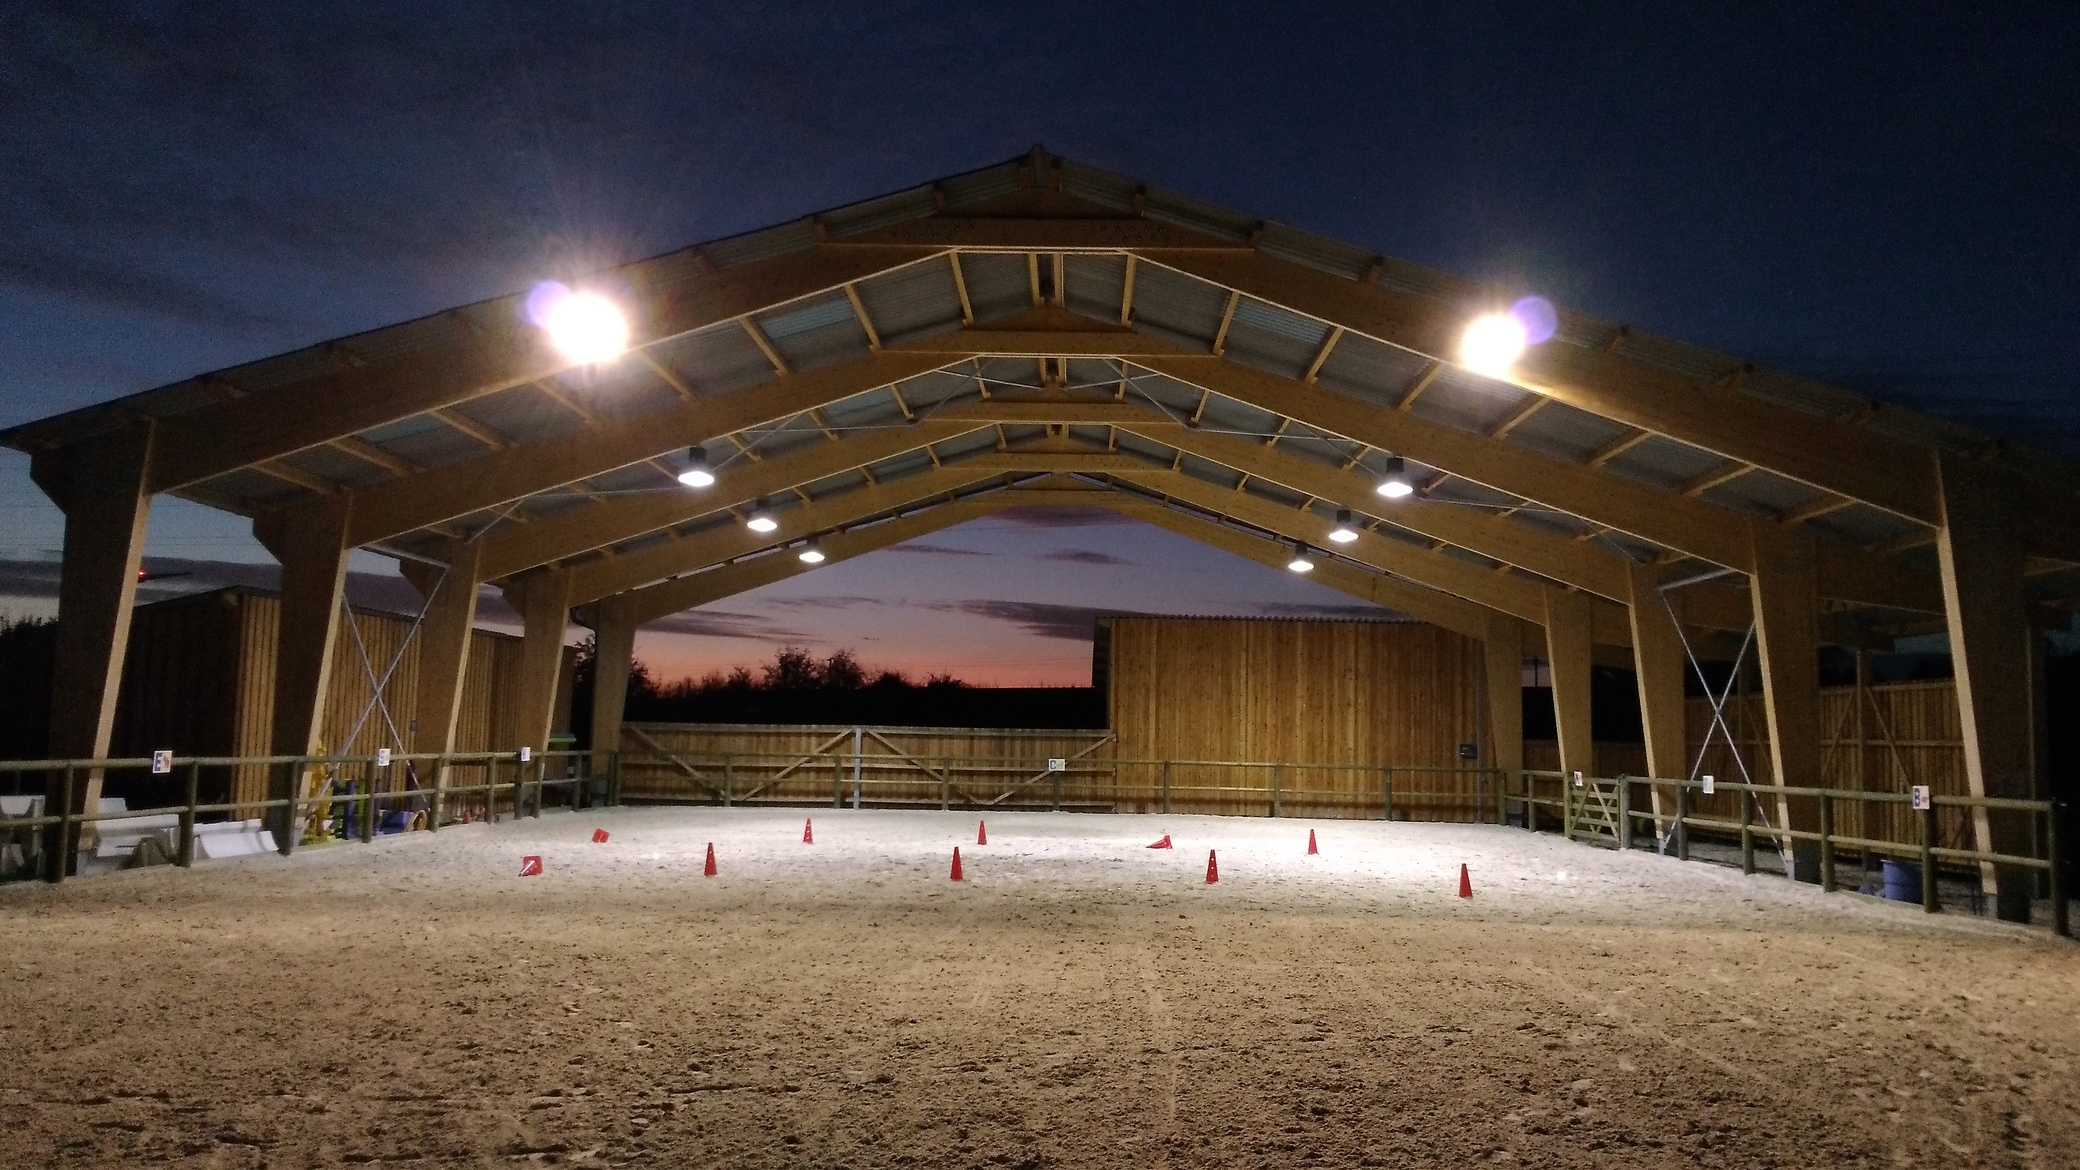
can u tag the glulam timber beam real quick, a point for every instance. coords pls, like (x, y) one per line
(1688, 525)
(397, 506)
(223, 436)
(517, 549)
(619, 574)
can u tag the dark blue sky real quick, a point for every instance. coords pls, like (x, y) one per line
(1886, 196)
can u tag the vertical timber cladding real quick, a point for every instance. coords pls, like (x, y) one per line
(1361, 695)
(199, 679)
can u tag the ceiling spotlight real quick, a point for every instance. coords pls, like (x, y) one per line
(1301, 562)
(1343, 533)
(1493, 343)
(584, 327)
(697, 474)
(761, 520)
(1395, 486)
(812, 552)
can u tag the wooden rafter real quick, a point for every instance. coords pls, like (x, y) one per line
(859, 310)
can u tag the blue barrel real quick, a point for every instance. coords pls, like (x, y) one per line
(1902, 880)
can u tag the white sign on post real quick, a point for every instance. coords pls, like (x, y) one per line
(526, 754)
(382, 757)
(162, 763)
(1921, 800)
(1577, 779)
(1708, 785)
(1057, 764)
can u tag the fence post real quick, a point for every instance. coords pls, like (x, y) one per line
(1748, 831)
(2057, 883)
(187, 846)
(837, 782)
(1386, 793)
(519, 790)
(57, 839)
(1682, 822)
(368, 810)
(1931, 896)
(1624, 812)
(1278, 785)
(1530, 802)
(729, 778)
(614, 778)
(1166, 787)
(1057, 786)
(945, 784)
(1826, 842)
(433, 796)
(1480, 798)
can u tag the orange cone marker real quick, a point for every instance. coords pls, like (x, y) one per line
(956, 876)
(1162, 844)
(599, 836)
(808, 833)
(1213, 871)
(1465, 882)
(708, 870)
(1310, 843)
(982, 832)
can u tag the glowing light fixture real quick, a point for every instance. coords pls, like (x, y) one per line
(697, 474)
(1301, 562)
(760, 519)
(1396, 486)
(584, 327)
(812, 553)
(1343, 533)
(1493, 343)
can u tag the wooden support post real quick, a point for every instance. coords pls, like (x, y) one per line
(613, 658)
(187, 845)
(444, 637)
(729, 779)
(1568, 637)
(1682, 822)
(1386, 793)
(1931, 893)
(544, 603)
(101, 490)
(1658, 663)
(1624, 813)
(1827, 844)
(310, 542)
(1981, 555)
(1166, 787)
(1747, 831)
(1278, 784)
(1787, 627)
(1502, 665)
(946, 785)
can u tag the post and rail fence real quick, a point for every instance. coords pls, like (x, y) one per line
(351, 796)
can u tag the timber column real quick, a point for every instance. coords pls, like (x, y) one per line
(1502, 662)
(1991, 654)
(1658, 664)
(1568, 644)
(613, 656)
(444, 636)
(1786, 592)
(310, 542)
(101, 488)
(543, 600)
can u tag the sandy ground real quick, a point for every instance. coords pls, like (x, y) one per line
(1078, 1001)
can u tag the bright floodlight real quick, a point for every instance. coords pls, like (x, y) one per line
(584, 327)
(761, 520)
(1343, 533)
(812, 553)
(697, 474)
(1396, 486)
(1301, 562)
(1493, 343)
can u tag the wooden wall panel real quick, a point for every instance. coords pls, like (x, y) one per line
(798, 764)
(1361, 696)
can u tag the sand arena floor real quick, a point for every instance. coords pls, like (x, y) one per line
(1079, 1001)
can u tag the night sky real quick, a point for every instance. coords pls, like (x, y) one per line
(1882, 196)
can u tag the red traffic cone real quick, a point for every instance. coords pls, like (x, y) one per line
(708, 870)
(599, 836)
(1310, 842)
(982, 832)
(530, 866)
(808, 833)
(1213, 871)
(956, 875)
(1162, 844)
(1465, 882)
